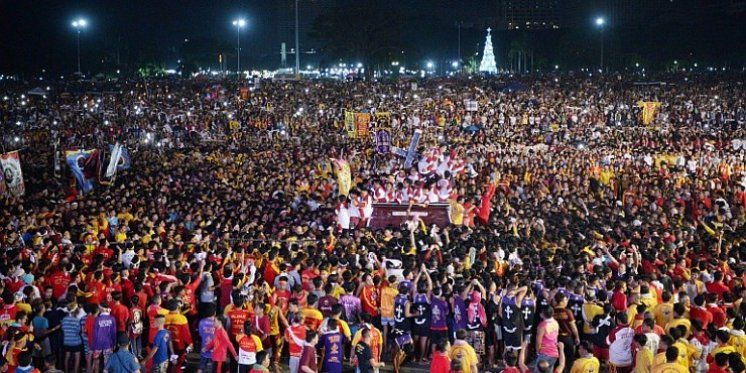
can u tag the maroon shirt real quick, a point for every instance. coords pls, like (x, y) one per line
(308, 358)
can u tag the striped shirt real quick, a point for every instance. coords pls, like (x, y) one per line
(71, 331)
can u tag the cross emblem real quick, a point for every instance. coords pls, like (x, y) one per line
(421, 309)
(411, 153)
(399, 312)
(576, 308)
(526, 312)
(508, 311)
(489, 29)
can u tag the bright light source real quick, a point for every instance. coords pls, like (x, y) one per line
(675, 62)
(600, 21)
(80, 23)
(16, 139)
(239, 23)
(370, 102)
(556, 67)
(430, 64)
(308, 67)
(395, 63)
(359, 65)
(637, 64)
(695, 64)
(455, 64)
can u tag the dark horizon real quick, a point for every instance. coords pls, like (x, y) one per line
(36, 35)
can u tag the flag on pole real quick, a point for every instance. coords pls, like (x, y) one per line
(116, 155)
(11, 167)
(79, 161)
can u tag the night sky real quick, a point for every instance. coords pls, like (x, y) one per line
(36, 34)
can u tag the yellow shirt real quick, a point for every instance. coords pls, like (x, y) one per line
(337, 292)
(676, 322)
(724, 349)
(25, 307)
(739, 344)
(388, 295)
(687, 352)
(466, 354)
(644, 361)
(586, 365)
(670, 368)
(663, 314)
(590, 310)
(457, 213)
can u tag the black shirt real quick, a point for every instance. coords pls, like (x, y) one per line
(364, 354)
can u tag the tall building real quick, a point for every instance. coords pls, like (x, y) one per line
(528, 14)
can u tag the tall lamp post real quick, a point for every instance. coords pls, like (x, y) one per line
(239, 23)
(601, 23)
(79, 24)
(297, 47)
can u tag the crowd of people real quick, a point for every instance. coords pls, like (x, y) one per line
(579, 240)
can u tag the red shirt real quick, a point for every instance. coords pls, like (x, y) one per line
(189, 297)
(441, 363)
(719, 318)
(59, 281)
(717, 287)
(299, 331)
(619, 301)
(237, 317)
(701, 314)
(121, 314)
(98, 292)
(369, 300)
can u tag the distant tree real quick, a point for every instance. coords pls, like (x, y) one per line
(363, 30)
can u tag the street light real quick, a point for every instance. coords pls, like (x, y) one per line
(79, 24)
(430, 64)
(239, 23)
(600, 23)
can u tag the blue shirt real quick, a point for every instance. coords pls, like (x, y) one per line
(161, 341)
(206, 334)
(122, 361)
(71, 331)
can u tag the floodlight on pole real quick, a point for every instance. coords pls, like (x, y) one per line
(601, 23)
(79, 24)
(239, 23)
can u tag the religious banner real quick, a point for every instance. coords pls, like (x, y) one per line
(649, 111)
(82, 164)
(383, 141)
(350, 123)
(11, 166)
(362, 120)
(344, 176)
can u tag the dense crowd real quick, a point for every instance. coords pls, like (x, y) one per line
(580, 239)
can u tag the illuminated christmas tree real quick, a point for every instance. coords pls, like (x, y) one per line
(488, 64)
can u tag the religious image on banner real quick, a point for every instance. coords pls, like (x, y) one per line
(11, 167)
(344, 176)
(350, 123)
(362, 120)
(2, 183)
(383, 141)
(82, 164)
(234, 125)
(649, 111)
